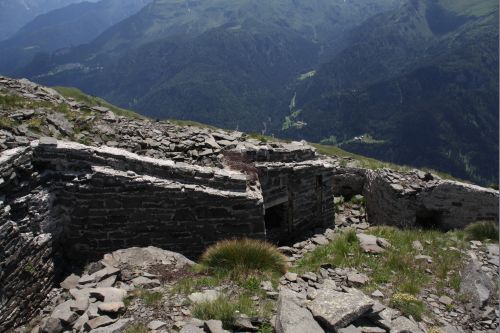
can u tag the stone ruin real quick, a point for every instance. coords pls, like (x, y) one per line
(65, 203)
(136, 182)
(416, 198)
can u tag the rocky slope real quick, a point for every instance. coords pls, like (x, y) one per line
(114, 295)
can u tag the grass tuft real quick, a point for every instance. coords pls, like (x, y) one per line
(149, 298)
(243, 256)
(481, 231)
(137, 328)
(225, 309)
(408, 304)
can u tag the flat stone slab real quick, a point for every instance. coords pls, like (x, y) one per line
(63, 313)
(189, 328)
(145, 282)
(109, 294)
(113, 328)
(404, 325)
(70, 282)
(156, 325)
(204, 296)
(371, 244)
(337, 310)
(111, 307)
(292, 318)
(99, 322)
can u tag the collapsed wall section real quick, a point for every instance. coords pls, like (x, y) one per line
(417, 199)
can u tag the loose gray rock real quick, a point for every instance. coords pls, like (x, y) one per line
(404, 325)
(145, 282)
(70, 282)
(204, 296)
(291, 318)
(368, 244)
(214, 326)
(52, 325)
(108, 294)
(117, 327)
(111, 307)
(477, 285)
(63, 313)
(156, 325)
(98, 322)
(338, 309)
(189, 328)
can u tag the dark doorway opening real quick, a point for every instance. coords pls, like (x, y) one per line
(429, 219)
(276, 218)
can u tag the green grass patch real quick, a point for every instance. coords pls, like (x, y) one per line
(150, 298)
(397, 265)
(371, 163)
(482, 231)
(11, 101)
(7, 123)
(80, 96)
(137, 328)
(228, 309)
(35, 124)
(244, 256)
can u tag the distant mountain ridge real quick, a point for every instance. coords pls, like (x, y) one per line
(412, 82)
(62, 28)
(16, 13)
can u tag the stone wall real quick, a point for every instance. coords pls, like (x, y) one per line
(65, 203)
(27, 261)
(419, 199)
(112, 210)
(304, 192)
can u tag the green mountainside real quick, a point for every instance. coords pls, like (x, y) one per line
(412, 82)
(425, 95)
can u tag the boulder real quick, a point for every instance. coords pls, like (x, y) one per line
(111, 307)
(143, 258)
(109, 294)
(477, 285)
(336, 309)
(156, 325)
(404, 325)
(368, 244)
(292, 318)
(357, 278)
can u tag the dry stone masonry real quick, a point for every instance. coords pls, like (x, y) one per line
(113, 182)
